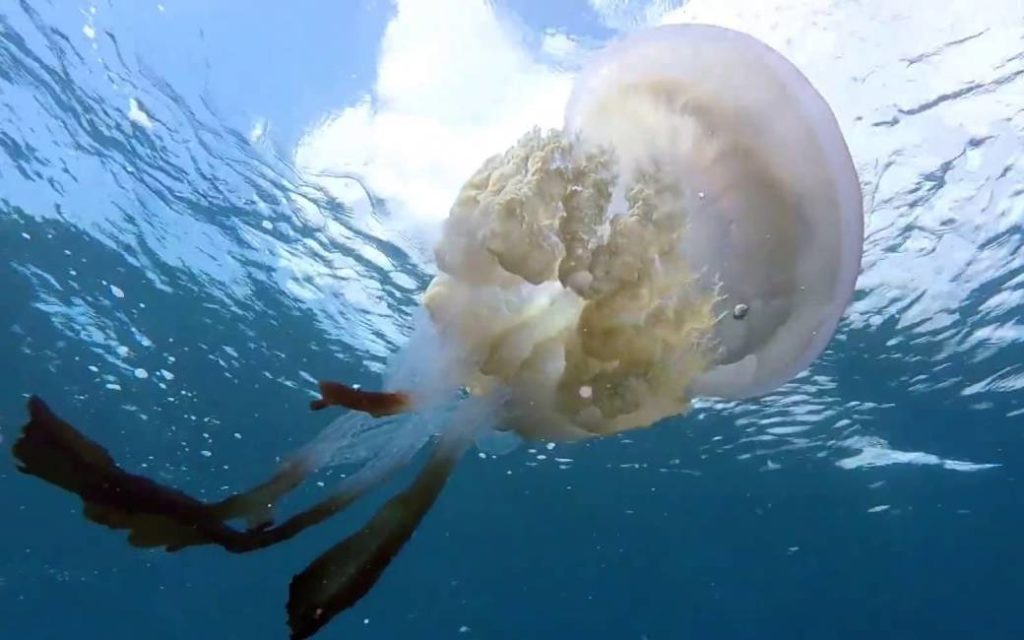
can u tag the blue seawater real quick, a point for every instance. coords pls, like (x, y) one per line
(173, 285)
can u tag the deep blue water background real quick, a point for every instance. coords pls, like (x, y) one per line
(148, 290)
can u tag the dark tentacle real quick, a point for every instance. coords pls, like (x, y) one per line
(154, 514)
(346, 572)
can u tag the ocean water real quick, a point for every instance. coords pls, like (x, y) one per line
(180, 262)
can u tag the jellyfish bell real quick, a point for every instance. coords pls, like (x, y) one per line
(694, 229)
(775, 211)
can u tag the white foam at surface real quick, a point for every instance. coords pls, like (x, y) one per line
(875, 452)
(137, 115)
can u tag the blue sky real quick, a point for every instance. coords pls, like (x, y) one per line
(291, 62)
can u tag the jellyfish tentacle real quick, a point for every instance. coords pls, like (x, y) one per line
(257, 505)
(53, 450)
(159, 516)
(348, 493)
(156, 515)
(346, 572)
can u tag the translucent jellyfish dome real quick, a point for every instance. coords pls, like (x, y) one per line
(695, 229)
(776, 218)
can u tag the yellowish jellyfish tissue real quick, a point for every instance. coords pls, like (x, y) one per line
(695, 229)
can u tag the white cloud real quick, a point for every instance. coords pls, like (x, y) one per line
(455, 84)
(559, 45)
(258, 133)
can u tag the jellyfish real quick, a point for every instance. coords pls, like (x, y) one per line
(693, 230)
